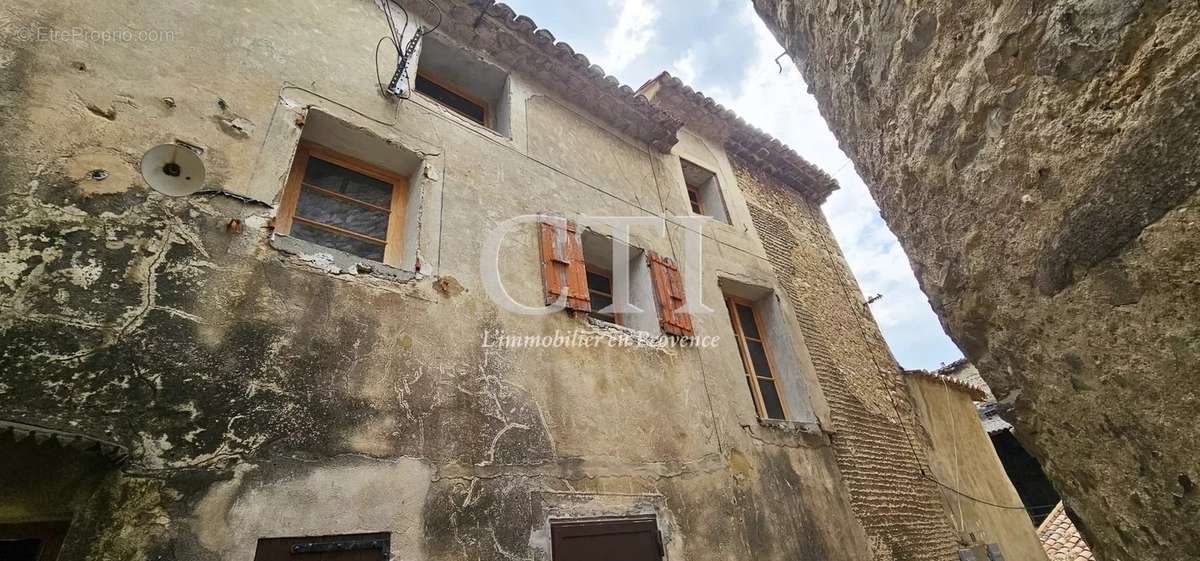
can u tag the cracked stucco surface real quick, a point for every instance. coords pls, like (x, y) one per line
(1038, 161)
(246, 380)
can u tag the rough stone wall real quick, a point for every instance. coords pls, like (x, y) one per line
(874, 428)
(1039, 162)
(264, 390)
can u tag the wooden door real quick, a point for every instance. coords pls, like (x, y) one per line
(349, 547)
(614, 539)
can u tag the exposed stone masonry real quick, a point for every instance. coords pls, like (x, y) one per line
(896, 505)
(1039, 162)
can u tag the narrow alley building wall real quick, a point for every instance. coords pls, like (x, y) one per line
(873, 426)
(1040, 164)
(264, 388)
(983, 504)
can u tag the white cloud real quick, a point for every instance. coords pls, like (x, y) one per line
(778, 103)
(684, 67)
(630, 37)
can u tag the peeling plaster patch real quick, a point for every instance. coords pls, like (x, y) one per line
(109, 113)
(335, 262)
(13, 267)
(237, 127)
(121, 174)
(150, 450)
(449, 286)
(350, 494)
(84, 275)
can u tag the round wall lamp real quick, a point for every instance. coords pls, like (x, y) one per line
(173, 170)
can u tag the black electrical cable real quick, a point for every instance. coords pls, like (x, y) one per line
(440, 16)
(378, 78)
(391, 21)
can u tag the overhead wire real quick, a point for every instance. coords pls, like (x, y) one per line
(422, 32)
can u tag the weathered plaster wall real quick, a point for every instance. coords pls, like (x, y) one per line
(270, 393)
(1039, 163)
(873, 424)
(961, 456)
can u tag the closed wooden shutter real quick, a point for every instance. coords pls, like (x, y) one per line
(563, 268)
(668, 290)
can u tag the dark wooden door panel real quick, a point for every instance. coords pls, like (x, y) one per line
(349, 547)
(633, 539)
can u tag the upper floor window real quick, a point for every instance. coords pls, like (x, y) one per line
(703, 191)
(464, 84)
(761, 374)
(463, 103)
(338, 202)
(584, 271)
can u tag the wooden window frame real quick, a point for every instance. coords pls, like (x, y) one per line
(597, 270)
(694, 190)
(487, 107)
(393, 244)
(748, 364)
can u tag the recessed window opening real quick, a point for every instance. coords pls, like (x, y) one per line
(756, 358)
(339, 202)
(353, 192)
(694, 199)
(628, 304)
(464, 104)
(463, 83)
(703, 191)
(600, 290)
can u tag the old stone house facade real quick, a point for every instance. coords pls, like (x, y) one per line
(328, 345)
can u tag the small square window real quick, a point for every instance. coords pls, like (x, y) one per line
(336, 201)
(703, 191)
(463, 83)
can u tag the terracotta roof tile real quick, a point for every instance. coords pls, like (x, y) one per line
(1061, 539)
(742, 140)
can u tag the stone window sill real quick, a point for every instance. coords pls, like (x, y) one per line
(336, 262)
(791, 434)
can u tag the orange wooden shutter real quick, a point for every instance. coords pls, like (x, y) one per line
(563, 269)
(668, 290)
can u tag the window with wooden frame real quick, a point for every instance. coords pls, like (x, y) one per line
(756, 359)
(694, 199)
(454, 98)
(600, 289)
(464, 82)
(703, 191)
(339, 202)
(578, 269)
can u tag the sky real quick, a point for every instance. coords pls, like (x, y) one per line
(722, 48)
